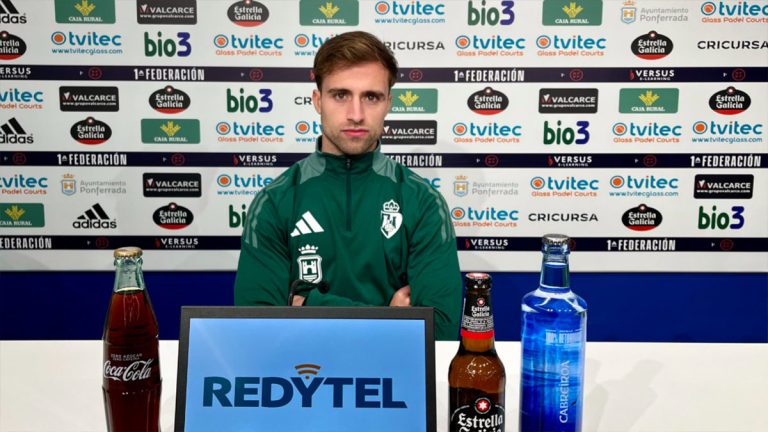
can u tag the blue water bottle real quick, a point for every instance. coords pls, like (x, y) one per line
(554, 334)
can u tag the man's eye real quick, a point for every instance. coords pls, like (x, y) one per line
(373, 98)
(340, 96)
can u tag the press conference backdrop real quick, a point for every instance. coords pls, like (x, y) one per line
(636, 127)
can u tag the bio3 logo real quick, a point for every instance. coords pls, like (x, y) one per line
(566, 135)
(487, 13)
(241, 102)
(276, 392)
(164, 47)
(721, 219)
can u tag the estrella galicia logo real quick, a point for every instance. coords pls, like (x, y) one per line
(185, 185)
(173, 217)
(11, 46)
(409, 132)
(723, 186)
(567, 101)
(169, 100)
(652, 46)
(162, 46)
(85, 11)
(730, 101)
(90, 131)
(89, 99)
(248, 13)
(329, 12)
(488, 101)
(641, 218)
(182, 12)
(10, 15)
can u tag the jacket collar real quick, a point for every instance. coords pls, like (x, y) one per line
(343, 164)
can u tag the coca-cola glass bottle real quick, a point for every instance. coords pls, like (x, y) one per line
(131, 363)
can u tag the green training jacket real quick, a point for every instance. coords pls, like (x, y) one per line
(365, 225)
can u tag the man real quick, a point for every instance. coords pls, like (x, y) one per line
(348, 226)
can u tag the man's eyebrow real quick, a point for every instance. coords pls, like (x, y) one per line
(374, 93)
(338, 90)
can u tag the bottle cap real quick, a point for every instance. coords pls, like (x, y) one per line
(128, 252)
(555, 240)
(477, 280)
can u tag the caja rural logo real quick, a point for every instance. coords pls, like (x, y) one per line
(300, 391)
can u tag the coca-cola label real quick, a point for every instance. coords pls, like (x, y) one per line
(477, 322)
(484, 415)
(138, 370)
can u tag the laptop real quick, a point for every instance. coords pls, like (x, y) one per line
(302, 369)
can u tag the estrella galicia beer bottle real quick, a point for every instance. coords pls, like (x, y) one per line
(131, 368)
(554, 334)
(476, 376)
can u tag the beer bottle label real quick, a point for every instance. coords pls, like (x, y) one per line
(483, 415)
(477, 322)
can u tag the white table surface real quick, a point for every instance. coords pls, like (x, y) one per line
(56, 386)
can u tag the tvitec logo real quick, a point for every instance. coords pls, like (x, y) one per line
(646, 186)
(308, 131)
(566, 135)
(490, 13)
(485, 217)
(573, 46)
(405, 12)
(280, 391)
(648, 133)
(308, 43)
(13, 98)
(252, 132)
(734, 12)
(731, 132)
(564, 187)
(491, 46)
(163, 47)
(251, 45)
(90, 43)
(238, 185)
(488, 133)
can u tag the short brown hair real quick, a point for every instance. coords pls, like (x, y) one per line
(349, 49)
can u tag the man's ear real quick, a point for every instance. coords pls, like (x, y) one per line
(316, 100)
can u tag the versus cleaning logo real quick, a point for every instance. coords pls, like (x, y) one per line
(90, 131)
(248, 13)
(166, 12)
(252, 132)
(491, 46)
(10, 15)
(173, 216)
(564, 187)
(89, 99)
(169, 100)
(575, 13)
(641, 218)
(414, 101)
(662, 74)
(652, 46)
(573, 46)
(22, 215)
(166, 47)
(734, 13)
(14, 133)
(648, 101)
(488, 133)
(487, 101)
(730, 101)
(248, 45)
(484, 217)
(85, 11)
(490, 12)
(650, 132)
(11, 46)
(329, 13)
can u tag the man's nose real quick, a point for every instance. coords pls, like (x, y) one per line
(355, 110)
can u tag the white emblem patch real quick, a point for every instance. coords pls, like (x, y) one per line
(310, 264)
(391, 218)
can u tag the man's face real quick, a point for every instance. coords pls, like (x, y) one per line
(352, 104)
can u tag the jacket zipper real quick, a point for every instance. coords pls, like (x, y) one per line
(349, 194)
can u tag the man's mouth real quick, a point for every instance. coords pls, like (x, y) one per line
(355, 132)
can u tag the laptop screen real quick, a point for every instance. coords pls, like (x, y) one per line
(305, 369)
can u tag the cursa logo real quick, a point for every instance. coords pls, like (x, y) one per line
(169, 100)
(11, 46)
(250, 132)
(172, 216)
(652, 46)
(730, 101)
(163, 47)
(488, 101)
(564, 187)
(573, 46)
(491, 132)
(248, 13)
(90, 131)
(251, 45)
(650, 132)
(641, 218)
(484, 217)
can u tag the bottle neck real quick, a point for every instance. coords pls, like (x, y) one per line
(554, 270)
(128, 274)
(477, 333)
